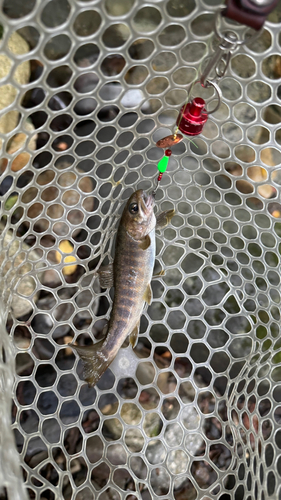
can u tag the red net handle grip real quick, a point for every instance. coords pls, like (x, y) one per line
(252, 13)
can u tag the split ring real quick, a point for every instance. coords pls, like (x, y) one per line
(210, 83)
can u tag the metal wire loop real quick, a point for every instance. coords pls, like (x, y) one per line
(211, 83)
(219, 93)
(222, 65)
(218, 62)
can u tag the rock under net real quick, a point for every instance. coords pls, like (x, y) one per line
(194, 412)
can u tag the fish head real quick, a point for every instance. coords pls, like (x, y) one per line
(138, 215)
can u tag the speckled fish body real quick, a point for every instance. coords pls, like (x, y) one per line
(133, 268)
(132, 273)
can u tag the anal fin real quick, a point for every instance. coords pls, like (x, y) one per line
(106, 276)
(134, 335)
(163, 219)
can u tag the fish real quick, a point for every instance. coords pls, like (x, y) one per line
(130, 274)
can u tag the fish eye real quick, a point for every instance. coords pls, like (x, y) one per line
(133, 208)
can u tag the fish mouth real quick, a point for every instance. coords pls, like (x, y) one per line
(147, 202)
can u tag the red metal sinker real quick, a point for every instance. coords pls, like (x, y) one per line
(192, 117)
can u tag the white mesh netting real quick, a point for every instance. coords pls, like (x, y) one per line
(87, 87)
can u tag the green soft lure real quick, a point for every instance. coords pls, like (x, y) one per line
(163, 164)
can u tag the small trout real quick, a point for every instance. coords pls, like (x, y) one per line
(130, 274)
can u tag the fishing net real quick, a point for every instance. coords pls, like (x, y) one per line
(87, 88)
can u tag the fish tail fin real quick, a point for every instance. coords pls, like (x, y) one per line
(95, 361)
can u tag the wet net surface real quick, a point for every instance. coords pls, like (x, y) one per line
(87, 88)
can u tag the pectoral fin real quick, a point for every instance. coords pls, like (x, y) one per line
(163, 219)
(145, 242)
(148, 294)
(106, 276)
(134, 335)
